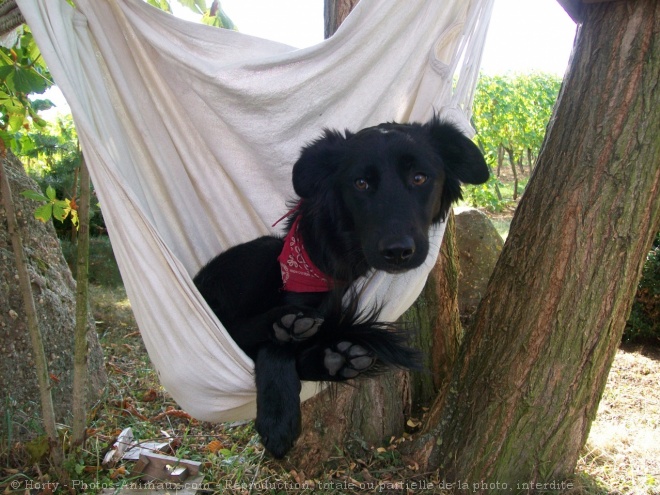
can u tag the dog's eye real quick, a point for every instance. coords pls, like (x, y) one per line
(361, 184)
(419, 179)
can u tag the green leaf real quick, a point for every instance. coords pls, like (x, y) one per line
(41, 104)
(61, 210)
(197, 6)
(27, 80)
(161, 4)
(5, 59)
(34, 195)
(33, 52)
(44, 212)
(51, 193)
(16, 122)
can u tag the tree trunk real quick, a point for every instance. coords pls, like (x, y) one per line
(80, 366)
(500, 159)
(435, 318)
(512, 162)
(534, 365)
(54, 293)
(521, 166)
(334, 12)
(350, 416)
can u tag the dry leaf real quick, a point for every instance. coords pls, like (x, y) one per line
(214, 446)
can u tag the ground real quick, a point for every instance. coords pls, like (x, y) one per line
(622, 454)
(623, 449)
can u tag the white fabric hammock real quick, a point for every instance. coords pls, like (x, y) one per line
(190, 133)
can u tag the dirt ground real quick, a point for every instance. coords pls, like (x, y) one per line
(623, 450)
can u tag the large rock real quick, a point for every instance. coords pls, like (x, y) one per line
(479, 245)
(54, 293)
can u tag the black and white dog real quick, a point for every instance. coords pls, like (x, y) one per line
(367, 201)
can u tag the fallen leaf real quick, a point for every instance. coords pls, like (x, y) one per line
(118, 473)
(214, 446)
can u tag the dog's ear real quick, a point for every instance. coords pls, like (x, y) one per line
(462, 158)
(317, 162)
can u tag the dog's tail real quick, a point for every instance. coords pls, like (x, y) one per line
(389, 341)
(350, 335)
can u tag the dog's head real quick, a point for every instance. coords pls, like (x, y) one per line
(386, 185)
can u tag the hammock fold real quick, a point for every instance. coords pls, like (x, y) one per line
(190, 133)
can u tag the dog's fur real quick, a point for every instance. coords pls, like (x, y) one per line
(367, 200)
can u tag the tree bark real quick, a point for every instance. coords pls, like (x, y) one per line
(54, 294)
(534, 365)
(334, 13)
(350, 416)
(80, 345)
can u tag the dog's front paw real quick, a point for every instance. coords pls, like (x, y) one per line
(295, 327)
(347, 360)
(279, 429)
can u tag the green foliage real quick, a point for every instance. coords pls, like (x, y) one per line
(51, 155)
(512, 111)
(213, 16)
(52, 158)
(22, 72)
(161, 4)
(486, 195)
(510, 115)
(53, 208)
(644, 321)
(194, 5)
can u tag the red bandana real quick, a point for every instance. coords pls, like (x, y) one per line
(299, 274)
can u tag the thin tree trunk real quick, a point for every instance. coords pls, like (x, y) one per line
(500, 159)
(435, 317)
(74, 189)
(512, 162)
(497, 191)
(520, 164)
(82, 311)
(534, 365)
(41, 364)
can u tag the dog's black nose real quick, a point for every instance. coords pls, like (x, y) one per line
(397, 251)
